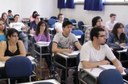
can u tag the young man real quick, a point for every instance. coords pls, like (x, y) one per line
(94, 52)
(110, 24)
(62, 42)
(58, 25)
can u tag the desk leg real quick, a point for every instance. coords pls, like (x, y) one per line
(66, 70)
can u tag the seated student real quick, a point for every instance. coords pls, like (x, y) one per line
(58, 25)
(63, 41)
(96, 22)
(4, 17)
(2, 31)
(21, 28)
(11, 47)
(33, 24)
(94, 52)
(43, 35)
(117, 37)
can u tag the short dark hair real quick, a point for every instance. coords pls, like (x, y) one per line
(16, 15)
(95, 32)
(112, 14)
(11, 31)
(59, 15)
(65, 23)
(95, 19)
(9, 11)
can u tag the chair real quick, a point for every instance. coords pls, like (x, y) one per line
(18, 67)
(110, 76)
(77, 32)
(80, 25)
(51, 22)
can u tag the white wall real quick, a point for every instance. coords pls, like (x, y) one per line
(46, 8)
(79, 14)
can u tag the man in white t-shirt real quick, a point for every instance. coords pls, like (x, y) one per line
(94, 52)
(58, 25)
(110, 24)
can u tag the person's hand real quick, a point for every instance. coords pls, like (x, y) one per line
(123, 44)
(120, 69)
(68, 50)
(104, 62)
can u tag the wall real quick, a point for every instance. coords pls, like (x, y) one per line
(79, 14)
(46, 8)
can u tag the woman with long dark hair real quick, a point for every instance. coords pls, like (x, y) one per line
(117, 37)
(42, 33)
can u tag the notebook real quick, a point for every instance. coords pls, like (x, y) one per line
(71, 54)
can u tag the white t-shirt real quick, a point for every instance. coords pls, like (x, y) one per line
(89, 53)
(17, 25)
(110, 25)
(58, 26)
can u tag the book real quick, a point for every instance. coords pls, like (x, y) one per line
(71, 54)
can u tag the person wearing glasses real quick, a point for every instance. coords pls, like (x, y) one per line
(94, 52)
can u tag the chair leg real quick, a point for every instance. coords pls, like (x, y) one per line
(9, 81)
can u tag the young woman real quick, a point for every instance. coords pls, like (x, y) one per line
(118, 38)
(2, 31)
(4, 17)
(11, 47)
(42, 32)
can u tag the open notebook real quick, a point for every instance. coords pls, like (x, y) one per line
(110, 67)
(71, 54)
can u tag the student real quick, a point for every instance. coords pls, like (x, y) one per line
(110, 24)
(94, 52)
(5, 19)
(63, 42)
(117, 37)
(33, 24)
(58, 25)
(42, 33)
(11, 47)
(96, 22)
(2, 31)
(21, 28)
(32, 18)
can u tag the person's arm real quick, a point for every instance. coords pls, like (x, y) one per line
(21, 48)
(110, 41)
(56, 49)
(78, 45)
(3, 47)
(87, 64)
(118, 65)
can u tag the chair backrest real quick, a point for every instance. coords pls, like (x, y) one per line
(77, 32)
(18, 66)
(110, 76)
(51, 22)
(73, 20)
(80, 25)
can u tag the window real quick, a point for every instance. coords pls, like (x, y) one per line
(105, 0)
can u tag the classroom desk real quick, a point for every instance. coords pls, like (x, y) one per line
(52, 81)
(89, 76)
(41, 45)
(66, 56)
